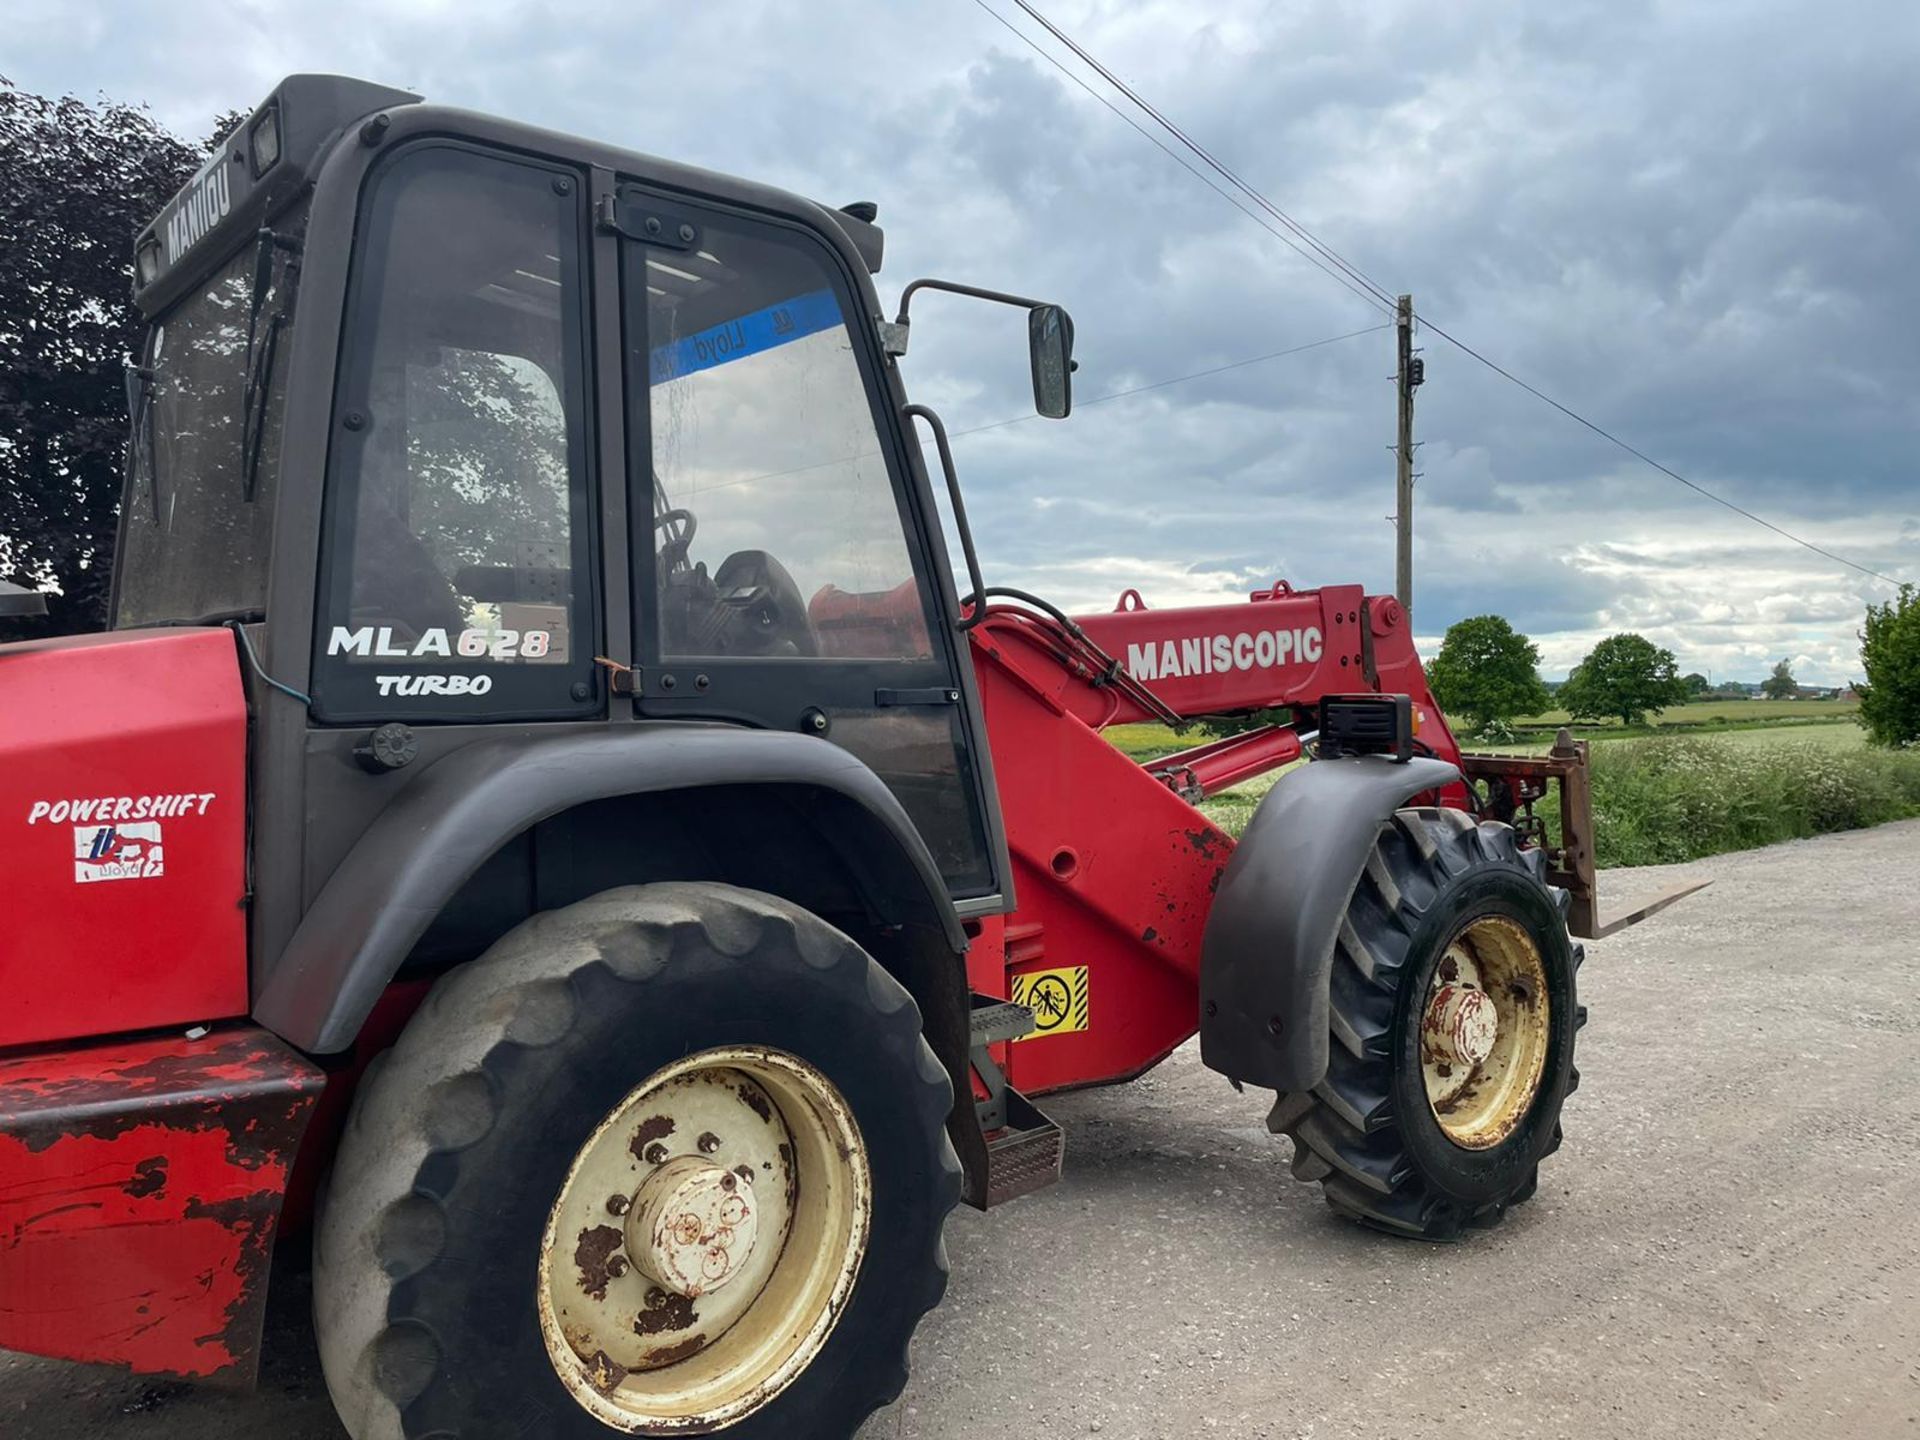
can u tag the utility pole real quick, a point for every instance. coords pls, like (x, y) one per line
(1409, 376)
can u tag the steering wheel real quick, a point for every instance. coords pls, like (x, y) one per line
(676, 529)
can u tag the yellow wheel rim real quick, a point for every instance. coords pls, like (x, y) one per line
(704, 1242)
(1484, 1032)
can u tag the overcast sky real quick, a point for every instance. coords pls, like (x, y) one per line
(1694, 222)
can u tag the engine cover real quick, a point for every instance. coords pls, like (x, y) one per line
(122, 833)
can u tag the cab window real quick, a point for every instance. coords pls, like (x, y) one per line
(457, 562)
(776, 525)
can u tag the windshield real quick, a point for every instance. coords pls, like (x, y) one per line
(193, 544)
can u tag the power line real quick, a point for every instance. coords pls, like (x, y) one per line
(1182, 379)
(1212, 161)
(1351, 276)
(1645, 458)
(1097, 400)
(1153, 140)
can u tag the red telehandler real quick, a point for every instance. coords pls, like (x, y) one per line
(562, 848)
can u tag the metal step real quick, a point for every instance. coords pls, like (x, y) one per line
(996, 1020)
(1026, 1156)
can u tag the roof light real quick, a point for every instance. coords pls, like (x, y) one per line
(263, 140)
(147, 260)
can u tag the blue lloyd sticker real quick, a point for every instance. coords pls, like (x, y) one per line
(117, 852)
(759, 330)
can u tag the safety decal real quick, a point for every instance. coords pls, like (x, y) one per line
(1058, 999)
(117, 852)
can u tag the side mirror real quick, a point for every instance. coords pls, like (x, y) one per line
(1050, 344)
(18, 603)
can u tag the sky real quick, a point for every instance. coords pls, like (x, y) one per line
(1692, 222)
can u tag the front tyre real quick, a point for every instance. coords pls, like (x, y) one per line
(1453, 1013)
(669, 1161)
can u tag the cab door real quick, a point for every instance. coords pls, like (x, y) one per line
(784, 570)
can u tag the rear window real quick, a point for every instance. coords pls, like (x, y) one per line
(193, 544)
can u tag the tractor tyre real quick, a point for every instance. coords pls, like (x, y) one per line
(1453, 1012)
(672, 1160)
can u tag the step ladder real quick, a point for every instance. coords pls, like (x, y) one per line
(1025, 1149)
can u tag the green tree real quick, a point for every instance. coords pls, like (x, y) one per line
(1696, 683)
(1890, 651)
(1780, 685)
(76, 183)
(1486, 670)
(1625, 675)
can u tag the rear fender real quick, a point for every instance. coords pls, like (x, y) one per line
(1268, 948)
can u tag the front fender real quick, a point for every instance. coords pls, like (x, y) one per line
(1268, 947)
(444, 825)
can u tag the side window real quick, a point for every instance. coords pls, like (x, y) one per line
(775, 520)
(456, 572)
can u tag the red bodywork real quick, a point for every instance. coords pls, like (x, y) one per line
(142, 1181)
(123, 808)
(140, 1187)
(1114, 869)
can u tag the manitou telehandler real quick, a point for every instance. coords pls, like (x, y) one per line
(544, 821)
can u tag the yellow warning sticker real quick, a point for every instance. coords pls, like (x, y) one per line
(1058, 999)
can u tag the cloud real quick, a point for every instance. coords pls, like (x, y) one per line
(1692, 223)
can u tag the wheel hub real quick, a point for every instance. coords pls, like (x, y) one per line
(1462, 1025)
(1484, 1031)
(692, 1225)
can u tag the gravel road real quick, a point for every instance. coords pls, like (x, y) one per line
(1729, 1244)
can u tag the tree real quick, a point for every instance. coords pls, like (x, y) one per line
(76, 183)
(1486, 670)
(1780, 685)
(1625, 675)
(1696, 683)
(1890, 651)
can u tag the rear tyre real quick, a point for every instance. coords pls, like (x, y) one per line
(1453, 1013)
(671, 1160)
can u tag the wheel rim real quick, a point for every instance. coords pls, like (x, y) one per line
(705, 1241)
(1484, 1031)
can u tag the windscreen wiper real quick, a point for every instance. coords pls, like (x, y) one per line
(253, 404)
(140, 435)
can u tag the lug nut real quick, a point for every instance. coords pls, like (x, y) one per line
(619, 1204)
(656, 1154)
(708, 1143)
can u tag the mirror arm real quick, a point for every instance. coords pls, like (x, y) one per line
(921, 412)
(953, 287)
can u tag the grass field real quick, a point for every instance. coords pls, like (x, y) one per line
(1685, 790)
(1728, 712)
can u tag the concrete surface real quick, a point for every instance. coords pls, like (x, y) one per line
(1729, 1244)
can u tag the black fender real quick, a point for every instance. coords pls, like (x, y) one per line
(1268, 948)
(460, 810)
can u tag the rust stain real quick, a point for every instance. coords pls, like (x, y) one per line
(594, 1255)
(604, 1372)
(654, 1127)
(1449, 969)
(671, 1353)
(664, 1313)
(757, 1102)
